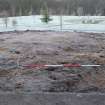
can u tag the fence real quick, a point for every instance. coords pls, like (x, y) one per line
(58, 23)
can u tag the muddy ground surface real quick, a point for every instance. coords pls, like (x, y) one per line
(22, 48)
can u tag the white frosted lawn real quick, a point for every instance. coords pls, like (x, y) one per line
(70, 23)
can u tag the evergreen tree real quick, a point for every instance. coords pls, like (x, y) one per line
(45, 13)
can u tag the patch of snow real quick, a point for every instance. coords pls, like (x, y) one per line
(70, 23)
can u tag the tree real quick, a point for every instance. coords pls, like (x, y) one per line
(69, 7)
(5, 20)
(45, 12)
(14, 23)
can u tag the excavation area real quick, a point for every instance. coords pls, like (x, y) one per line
(19, 49)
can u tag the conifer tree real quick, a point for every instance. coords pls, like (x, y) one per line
(45, 13)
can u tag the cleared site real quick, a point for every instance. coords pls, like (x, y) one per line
(36, 47)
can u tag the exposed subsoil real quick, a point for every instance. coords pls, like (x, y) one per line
(22, 48)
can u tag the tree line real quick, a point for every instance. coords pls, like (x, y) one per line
(56, 7)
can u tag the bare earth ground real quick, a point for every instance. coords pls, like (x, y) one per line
(21, 48)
